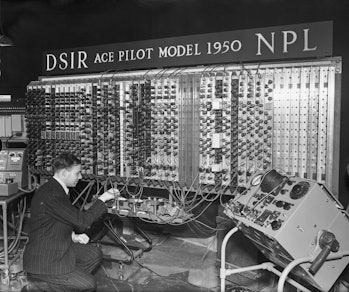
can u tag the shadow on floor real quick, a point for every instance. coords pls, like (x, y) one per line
(171, 265)
(144, 281)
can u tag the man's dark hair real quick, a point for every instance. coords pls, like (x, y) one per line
(65, 160)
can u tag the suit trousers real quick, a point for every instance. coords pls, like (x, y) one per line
(88, 257)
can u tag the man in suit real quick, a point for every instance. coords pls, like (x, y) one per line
(56, 258)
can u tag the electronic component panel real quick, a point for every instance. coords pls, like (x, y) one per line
(163, 133)
(87, 127)
(255, 122)
(199, 129)
(151, 209)
(106, 129)
(216, 167)
(35, 123)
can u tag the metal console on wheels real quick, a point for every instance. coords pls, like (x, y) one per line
(297, 224)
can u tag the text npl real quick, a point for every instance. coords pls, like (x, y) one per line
(289, 37)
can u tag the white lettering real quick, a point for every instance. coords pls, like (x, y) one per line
(190, 50)
(121, 54)
(108, 57)
(72, 60)
(261, 38)
(66, 60)
(149, 50)
(82, 56)
(48, 62)
(232, 46)
(132, 55)
(97, 59)
(179, 51)
(129, 55)
(140, 54)
(172, 51)
(62, 58)
(162, 52)
(286, 41)
(197, 52)
(104, 57)
(306, 41)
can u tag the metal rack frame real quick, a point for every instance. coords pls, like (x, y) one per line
(283, 276)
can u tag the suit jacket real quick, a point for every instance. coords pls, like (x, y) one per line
(53, 218)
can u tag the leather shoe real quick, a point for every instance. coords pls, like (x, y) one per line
(33, 287)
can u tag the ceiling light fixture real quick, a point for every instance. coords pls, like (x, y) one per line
(5, 41)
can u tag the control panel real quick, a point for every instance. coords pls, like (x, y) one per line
(284, 215)
(13, 167)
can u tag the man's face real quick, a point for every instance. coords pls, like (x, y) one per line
(72, 175)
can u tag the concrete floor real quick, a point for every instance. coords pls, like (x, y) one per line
(173, 264)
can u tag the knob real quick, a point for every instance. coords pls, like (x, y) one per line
(276, 224)
(299, 190)
(283, 191)
(328, 243)
(290, 182)
(279, 204)
(287, 206)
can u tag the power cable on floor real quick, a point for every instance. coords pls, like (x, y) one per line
(208, 248)
(172, 278)
(161, 242)
(237, 289)
(110, 278)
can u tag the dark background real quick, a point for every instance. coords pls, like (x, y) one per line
(39, 25)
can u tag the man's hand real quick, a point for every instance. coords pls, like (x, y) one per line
(109, 195)
(80, 238)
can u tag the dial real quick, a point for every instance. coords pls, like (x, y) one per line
(276, 224)
(299, 190)
(256, 180)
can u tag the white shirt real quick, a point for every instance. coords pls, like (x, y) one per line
(62, 184)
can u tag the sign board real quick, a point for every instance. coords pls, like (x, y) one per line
(298, 41)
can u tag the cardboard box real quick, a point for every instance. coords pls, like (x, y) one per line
(8, 189)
